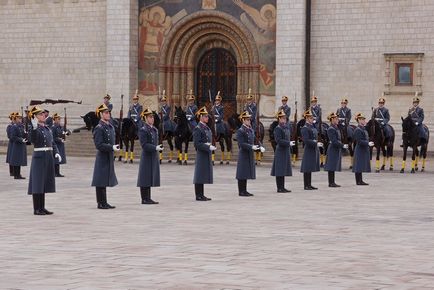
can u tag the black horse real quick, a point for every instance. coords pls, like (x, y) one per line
(382, 144)
(235, 123)
(222, 139)
(410, 138)
(322, 137)
(183, 134)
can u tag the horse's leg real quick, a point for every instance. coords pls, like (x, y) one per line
(120, 152)
(377, 159)
(321, 157)
(186, 152)
(404, 157)
(416, 161)
(351, 149)
(384, 150)
(228, 139)
(222, 147)
(178, 146)
(126, 151)
(413, 159)
(423, 150)
(132, 151)
(390, 155)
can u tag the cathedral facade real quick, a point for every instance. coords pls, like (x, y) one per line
(80, 50)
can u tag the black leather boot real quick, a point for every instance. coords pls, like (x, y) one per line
(57, 170)
(308, 181)
(145, 192)
(37, 205)
(242, 188)
(280, 182)
(11, 170)
(199, 191)
(17, 172)
(359, 179)
(109, 206)
(331, 177)
(100, 198)
(47, 212)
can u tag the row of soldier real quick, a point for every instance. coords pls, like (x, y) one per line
(46, 152)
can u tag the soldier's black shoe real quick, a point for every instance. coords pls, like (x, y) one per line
(149, 201)
(39, 212)
(313, 187)
(19, 177)
(362, 183)
(109, 205)
(310, 187)
(334, 185)
(59, 175)
(245, 193)
(283, 190)
(47, 212)
(102, 206)
(202, 198)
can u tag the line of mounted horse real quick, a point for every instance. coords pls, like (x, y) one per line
(126, 134)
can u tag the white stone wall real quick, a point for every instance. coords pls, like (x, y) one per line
(290, 52)
(52, 49)
(349, 38)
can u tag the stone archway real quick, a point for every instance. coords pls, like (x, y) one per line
(199, 32)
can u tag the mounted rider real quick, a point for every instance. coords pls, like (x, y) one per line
(135, 112)
(382, 116)
(190, 111)
(218, 112)
(417, 115)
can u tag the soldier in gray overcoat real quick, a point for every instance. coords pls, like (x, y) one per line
(104, 170)
(191, 111)
(282, 156)
(203, 171)
(285, 107)
(149, 169)
(168, 124)
(59, 139)
(41, 177)
(18, 154)
(382, 116)
(316, 111)
(310, 161)
(362, 159)
(8, 133)
(246, 162)
(334, 150)
(218, 111)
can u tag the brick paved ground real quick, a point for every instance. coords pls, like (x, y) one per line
(376, 237)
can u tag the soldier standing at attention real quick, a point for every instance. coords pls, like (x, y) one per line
(18, 153)
(104, 170)
(41, 178)
(310, 161)
(149, 170)
(135, 112)
(8, 132)
(246, 162)
(286, 109)
(203, 171)
(334, 150)
(59, 139)
(362, 160)
(190, 111)
(282, 156)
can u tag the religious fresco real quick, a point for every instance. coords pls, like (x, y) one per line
(157, 17)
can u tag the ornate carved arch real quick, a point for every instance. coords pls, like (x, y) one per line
(197, 33)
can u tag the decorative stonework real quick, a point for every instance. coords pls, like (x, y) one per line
(199, 32)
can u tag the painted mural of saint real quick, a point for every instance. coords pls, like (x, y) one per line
(153, 25)
(262, 24)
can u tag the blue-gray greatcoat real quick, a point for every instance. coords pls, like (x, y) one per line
(168, 124)
(252, 109)
(203, 171)
(317, 115)
(104, 170)
(382, 113)
(310, 161)
(41, 177)
(58, 137)
(246, 163)
(287, 110)
(334, 150)
(149, 169)
(362, 162)
(8, 133)
(282, 156)
(417, 115)
(190, 113)
(218, 112)
(18, 152)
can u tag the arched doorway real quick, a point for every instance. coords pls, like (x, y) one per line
(217, 71)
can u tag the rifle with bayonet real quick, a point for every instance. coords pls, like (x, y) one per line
(53, 102)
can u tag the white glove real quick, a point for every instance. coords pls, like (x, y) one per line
(159, 147)
(343, 124)
(417, 123)
(345, 146)
(189, 117)
(292, 143)
(209, 144)
(314, 121)
(371, 143)
(116, 148)
(212, 147)
(255, 147)
(34, 123)
(382, 123)
(24, 140)
(319, 144)
(262, 149)
(59, 158)
(378, 119)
